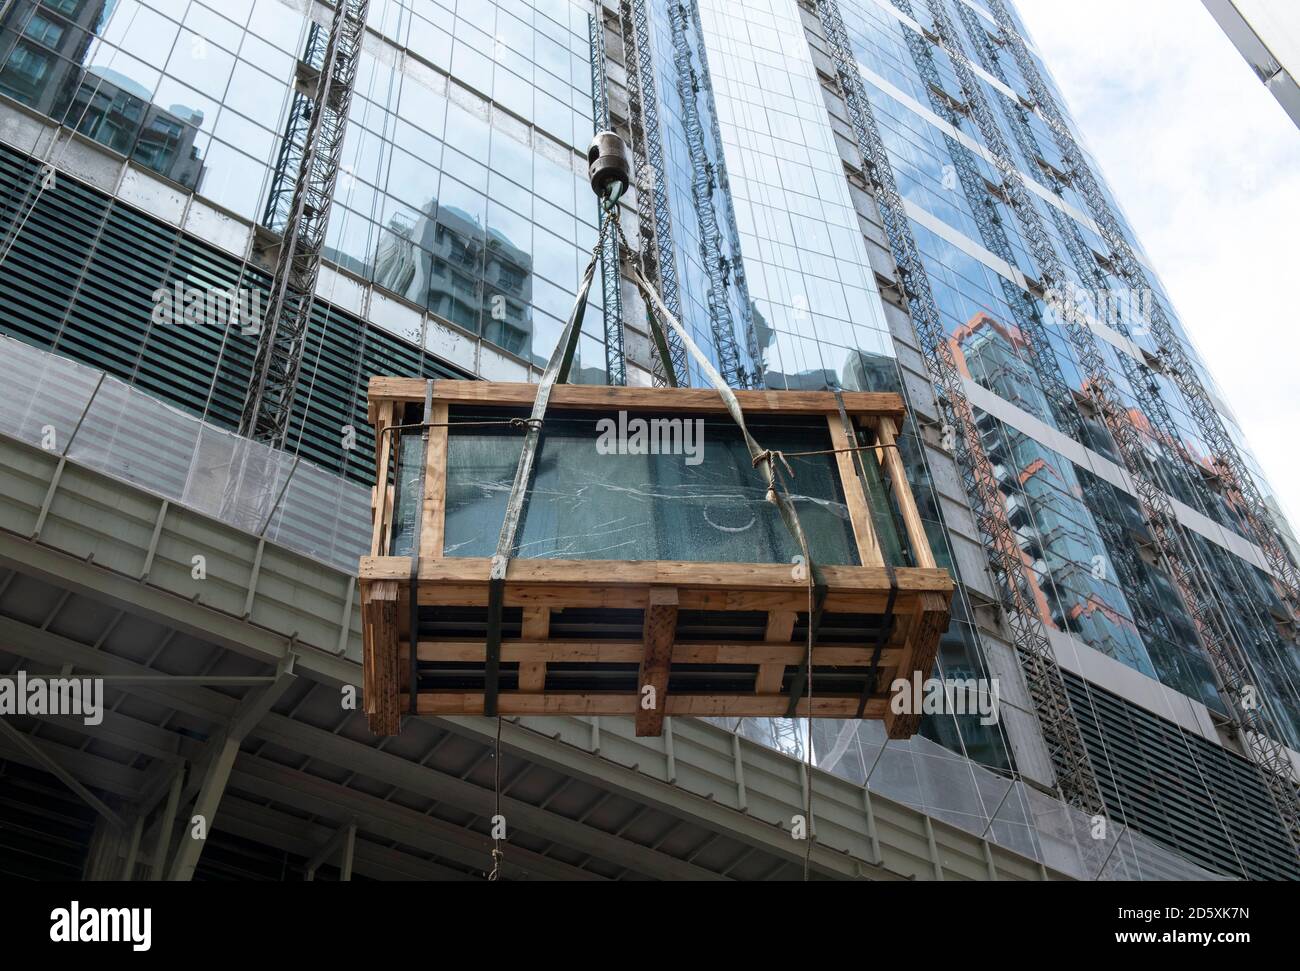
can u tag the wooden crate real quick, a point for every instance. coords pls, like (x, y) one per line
(589, 636)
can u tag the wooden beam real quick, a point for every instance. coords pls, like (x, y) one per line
(536, 627)
(381, 684)
(620, 583)
(663, 400)
(658, 633)
(433, 507)
(626, 703)
(887, 433)
(780, 627)
(778, 655)
(864, 531)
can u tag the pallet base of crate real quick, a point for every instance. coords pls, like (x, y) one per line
(647, 640)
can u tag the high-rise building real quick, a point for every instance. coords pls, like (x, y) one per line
(830, 194)
(1268, 37)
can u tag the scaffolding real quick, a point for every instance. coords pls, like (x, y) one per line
(1076, 780)
(268, 407)
(1178, 556)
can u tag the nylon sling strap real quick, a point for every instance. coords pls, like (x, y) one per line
(764, 461)
(887, 622)
(557, 370)
(414, 636)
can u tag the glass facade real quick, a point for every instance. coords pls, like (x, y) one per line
(462, 220)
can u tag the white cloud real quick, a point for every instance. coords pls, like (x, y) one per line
(1206, 165)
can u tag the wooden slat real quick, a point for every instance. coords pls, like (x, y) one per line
(780, 627)
(658, 632)
(536, 627)
(893, 462)
(381, 518)
(379, 602)
(648, 399)
(778, 655)
(864, 531)
(625, 703)
(701, 586)
(433, 508)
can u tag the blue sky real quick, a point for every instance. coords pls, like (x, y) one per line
(1207, 168)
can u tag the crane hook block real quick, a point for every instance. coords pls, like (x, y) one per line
(607, 162)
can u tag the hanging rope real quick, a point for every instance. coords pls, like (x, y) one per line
(808, 767)
(498, 855)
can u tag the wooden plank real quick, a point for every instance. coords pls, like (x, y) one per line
(648, 399)
(433, 507)
(780, 627)
(381, 516)
(658, 633)
(544, 652)
(625, 703)
(618, 583)
(887, 432)
(864, 531)
(379, 602)
(536, 627)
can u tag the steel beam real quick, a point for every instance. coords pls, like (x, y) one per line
(343, 844)
(48, 762)
(211, 789)
(412, 777)
(391, 821)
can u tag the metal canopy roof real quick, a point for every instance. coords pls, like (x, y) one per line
(95, 579)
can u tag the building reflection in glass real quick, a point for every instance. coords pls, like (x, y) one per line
(473, 276)
(44, 48)
(1066, 560)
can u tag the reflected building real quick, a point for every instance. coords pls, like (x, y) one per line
(43, 48)
(473, 277)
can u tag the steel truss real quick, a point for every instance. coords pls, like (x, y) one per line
(729, 210)
(653, 220)
(1170, 352)
(704, 182)
(610, 275)
(1076, 780)
(288, 163)
(268, 407)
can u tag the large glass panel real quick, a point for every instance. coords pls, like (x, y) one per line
(639, 486)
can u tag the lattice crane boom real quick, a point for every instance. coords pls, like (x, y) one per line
(277, 362)
(704, 183)
(610, 275)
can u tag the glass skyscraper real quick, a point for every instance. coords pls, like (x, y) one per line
(146, 144)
